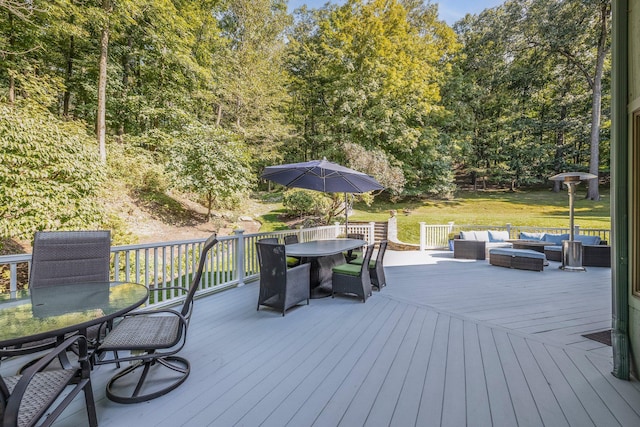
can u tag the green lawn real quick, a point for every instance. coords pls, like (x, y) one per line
(541, 208)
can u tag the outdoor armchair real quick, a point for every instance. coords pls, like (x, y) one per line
(281, 287)
(152, 338)
(29, 397)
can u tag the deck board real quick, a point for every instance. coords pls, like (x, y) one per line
(446, 343)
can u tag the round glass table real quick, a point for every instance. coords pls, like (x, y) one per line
(54, 311)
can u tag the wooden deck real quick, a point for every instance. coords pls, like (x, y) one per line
(446, 343)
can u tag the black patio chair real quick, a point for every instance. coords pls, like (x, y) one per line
(152, 338)
(29, 398)
(67, 257)
(352, 254)
(376, 267)
(292, 261)
(353, 278)
(281, 287)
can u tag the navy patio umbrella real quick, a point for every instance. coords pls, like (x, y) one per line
(322, 175)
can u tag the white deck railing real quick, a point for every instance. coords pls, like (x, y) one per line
(437, 236)
(232, 261)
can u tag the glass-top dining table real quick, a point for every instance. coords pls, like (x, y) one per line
(323, 256)
(52, 312)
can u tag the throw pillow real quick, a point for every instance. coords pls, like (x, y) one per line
(555, 238)
(498, 236)
(531, 236)
(483, 236)
(588, 240)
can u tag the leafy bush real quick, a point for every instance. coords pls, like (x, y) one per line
(50, 173)
(137, 166)
(306, 202)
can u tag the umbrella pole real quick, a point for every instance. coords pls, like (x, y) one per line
(346, 216)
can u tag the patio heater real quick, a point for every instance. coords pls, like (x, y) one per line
(572, 249)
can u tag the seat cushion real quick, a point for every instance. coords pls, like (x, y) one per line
(292, 261)
(523, 253)
(358, 261)
(348, 269)
(482, 236)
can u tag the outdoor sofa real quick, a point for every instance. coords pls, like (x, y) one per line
(476, 244)
(595, 252)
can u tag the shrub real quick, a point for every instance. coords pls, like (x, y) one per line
(50, 173)
(306, 202)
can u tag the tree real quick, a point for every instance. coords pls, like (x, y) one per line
(101, 126)
(369, 73)
(212, 163)
(579, 32)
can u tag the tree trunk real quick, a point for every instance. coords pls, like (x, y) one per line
(594, 162)
(101, 128)
(12, 90)
(12, 80)
(126, 70)
(557, 185)
(66, 100)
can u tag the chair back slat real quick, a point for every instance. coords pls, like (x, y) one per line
(290, 239)
(365, 260)
(381, 250)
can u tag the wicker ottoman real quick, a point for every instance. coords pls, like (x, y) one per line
(522, 259)
(553, 253)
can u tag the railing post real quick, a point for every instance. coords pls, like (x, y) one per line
(509, 229)
(423, 236)
(576, 230)
(13, 280)
(337, 224)
(372, 232)
(240, 256)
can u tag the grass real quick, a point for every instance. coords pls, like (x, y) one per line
(541, 208)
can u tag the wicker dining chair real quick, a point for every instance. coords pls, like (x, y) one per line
(353, 278)
(29, 398)
(292, 261)
(152, 338)
(376, 267)
(281, 287)
(352, 254)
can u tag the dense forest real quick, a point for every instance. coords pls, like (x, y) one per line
(199, 96)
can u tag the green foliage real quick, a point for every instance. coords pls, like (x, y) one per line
(212, 163)
(49, 173)
(521, 92)
(306, 202)
(369, 73)
(376, 163)
(139, 168)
